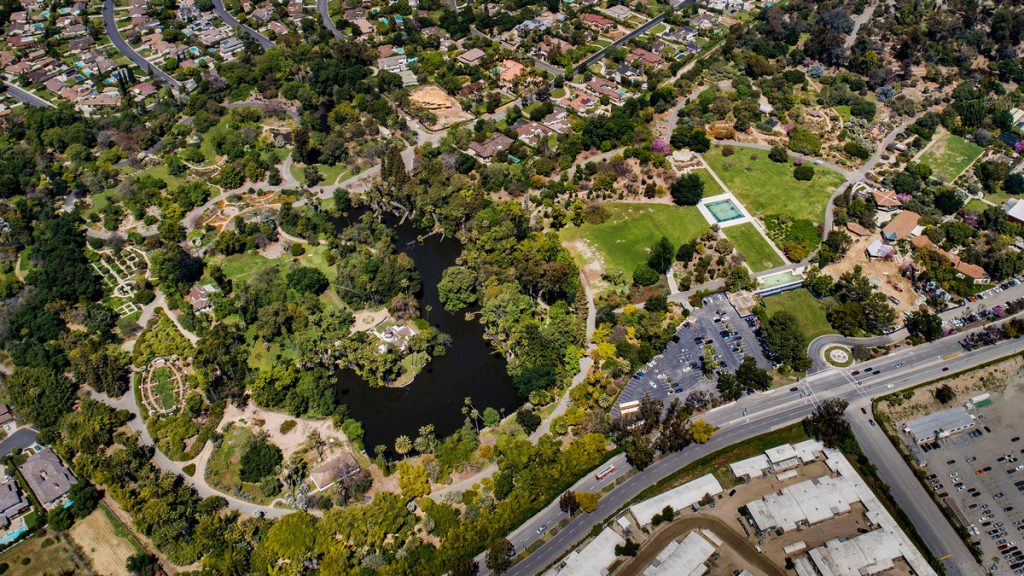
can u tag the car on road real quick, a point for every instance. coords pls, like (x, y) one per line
(542, 529)
(794, 389)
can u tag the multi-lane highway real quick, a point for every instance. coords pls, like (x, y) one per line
(760, 413)
(110, 24)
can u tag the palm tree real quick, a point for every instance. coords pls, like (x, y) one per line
(403, 445)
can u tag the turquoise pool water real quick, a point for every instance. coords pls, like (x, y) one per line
(12, 536)
(724, 210)
(780, 279)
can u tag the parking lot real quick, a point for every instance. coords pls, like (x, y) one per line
(677, 371)
(980, 476)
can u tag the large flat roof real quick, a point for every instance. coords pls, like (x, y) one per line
(678, 498)
(594, 558)
(806, 451)
(683, 559)
(955, 418)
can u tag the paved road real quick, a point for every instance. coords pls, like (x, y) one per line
(600, 54)
(21, 438)
(230, 20)
(110, 23)
(27, 97)
(908, 492)
(325, 16)
(760, 413)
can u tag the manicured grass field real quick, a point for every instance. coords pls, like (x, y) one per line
(766, 187)
(806, 308)
(163, 386)
(241, 267)
(631, 229)
(949, 155)
(711, 187)
(976, 205)
(330, 174)
(753, 247)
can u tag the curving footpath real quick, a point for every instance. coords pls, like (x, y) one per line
(110, 24)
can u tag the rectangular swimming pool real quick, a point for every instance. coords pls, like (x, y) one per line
(724, 210)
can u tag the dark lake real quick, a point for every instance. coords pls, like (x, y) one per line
(470, 368)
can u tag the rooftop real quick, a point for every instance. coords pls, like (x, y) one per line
(678, 498)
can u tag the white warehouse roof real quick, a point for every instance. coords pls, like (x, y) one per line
(685, 559)
(594, 558)
(678, 498)
(939, 424)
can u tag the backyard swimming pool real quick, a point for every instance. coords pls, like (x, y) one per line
(724, 210)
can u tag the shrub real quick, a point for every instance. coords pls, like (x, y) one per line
(297, 250)
(728, 151)
(803, 172)
(778, 155)
(307, 280)
(687, 190)
(189, 469)
(644, 275)
(287, 426)
(261, 460)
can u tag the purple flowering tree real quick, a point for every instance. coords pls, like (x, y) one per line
(659, 146)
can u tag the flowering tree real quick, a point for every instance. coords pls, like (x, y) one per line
(659, 146)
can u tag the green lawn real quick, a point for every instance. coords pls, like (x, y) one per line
(753, 247)
(711, 186)
(976, 205)
(224, 468)
(808, 311)
(164, 387)
(100, 201)
(631, 229)
(844, 112)
(243, 266)
(329, 174)
(766, 187)
(949, 155)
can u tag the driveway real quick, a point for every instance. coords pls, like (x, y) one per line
(21, 438)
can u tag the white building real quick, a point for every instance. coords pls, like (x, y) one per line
(939, 425)
(678, 498)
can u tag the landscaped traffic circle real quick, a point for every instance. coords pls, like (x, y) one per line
(838, 356)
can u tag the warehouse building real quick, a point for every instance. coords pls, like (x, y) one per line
(939, 425)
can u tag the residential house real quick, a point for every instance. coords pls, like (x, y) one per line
(598, 22)
(12, 502)
(393, 63)
(278, 28)
(640, 58)
(625, 72)
(704, 21)
(199, 297)
(510, 70)
(886, 200)
(474, 89)
(962, 268)
(601, 87)
(491, 147)
(879, 251)
(472, 57)
(47, 477)
(533, 132)
(1014, 210)
(524, 28)
(6, 416)
(230, 46)
(619, 12)
(902, 226)
(681, 34)
(552, 46)
(557, 120)
(328, 473)
(143, 90)
(582, 103)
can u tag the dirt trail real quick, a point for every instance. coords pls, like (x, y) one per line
(653, 546)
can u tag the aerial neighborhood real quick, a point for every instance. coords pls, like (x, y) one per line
(563, 288)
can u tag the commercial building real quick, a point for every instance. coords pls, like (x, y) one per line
(777, 459)
(939, 425)
(685, 558)
(678, 498)
(811, 502)
(593, 559)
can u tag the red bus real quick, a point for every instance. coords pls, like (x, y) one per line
(605, 472)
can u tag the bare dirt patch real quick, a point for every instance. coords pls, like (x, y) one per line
(1006, 377)
(107, 551)
(590, 262)
(364, 320)
(884, 274)
(270, 422)
(445, 108)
